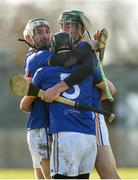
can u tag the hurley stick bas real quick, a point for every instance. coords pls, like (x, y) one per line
(101, 46)
(21, 87)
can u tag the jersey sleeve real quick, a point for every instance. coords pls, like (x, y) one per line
(97, 76)
(81, 55)
(36, 81)
(30, 65)
(36, 61)
(85, 68)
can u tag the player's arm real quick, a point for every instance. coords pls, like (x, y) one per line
(83, 56)
(84, 69)
(26, 103)
(111, 88)
(27, 77)
(99, 84)
(69, 58)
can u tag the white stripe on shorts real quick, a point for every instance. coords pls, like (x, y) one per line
(102, 135)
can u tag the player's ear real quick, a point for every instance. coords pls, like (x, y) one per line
(28, 39)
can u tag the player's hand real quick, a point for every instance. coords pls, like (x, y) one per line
(29, 79)
(95, 45)
(96, 35)
(50, 94)
(95, 41)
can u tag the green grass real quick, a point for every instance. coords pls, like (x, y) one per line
(16, 174)
(125, 173)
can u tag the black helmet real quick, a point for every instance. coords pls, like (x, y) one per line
(62, 41)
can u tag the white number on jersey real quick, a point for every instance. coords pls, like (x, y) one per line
(76, 92)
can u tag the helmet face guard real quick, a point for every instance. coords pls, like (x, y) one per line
(77, 17)
(73, 17)
(37, 33)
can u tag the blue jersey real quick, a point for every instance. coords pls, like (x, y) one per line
(64, 117)
(39, 115)
(96, 95)
(36, 60)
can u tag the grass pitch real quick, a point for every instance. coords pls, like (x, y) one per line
(125, 173)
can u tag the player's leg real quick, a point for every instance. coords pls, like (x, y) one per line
(38, 173)
(62, 162)
(45, 168)
(89, 157)
(67, 152)
(73, 155)
(39, 150)
(45, 162)
(105, 161)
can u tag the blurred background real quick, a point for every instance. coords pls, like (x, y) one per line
(120, 63)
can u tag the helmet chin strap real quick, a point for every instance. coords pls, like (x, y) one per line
(79, 35)
(23, 40)
(77, 40)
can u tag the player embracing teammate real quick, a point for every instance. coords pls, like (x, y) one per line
(73, 132)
